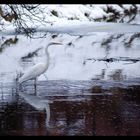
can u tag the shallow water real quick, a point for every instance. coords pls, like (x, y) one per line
(78, 108)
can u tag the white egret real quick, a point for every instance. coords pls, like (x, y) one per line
(38, 69)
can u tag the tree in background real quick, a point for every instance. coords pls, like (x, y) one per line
(21, 15)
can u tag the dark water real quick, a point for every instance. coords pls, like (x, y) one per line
(79, 108)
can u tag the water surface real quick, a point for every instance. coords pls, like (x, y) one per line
(78, 108)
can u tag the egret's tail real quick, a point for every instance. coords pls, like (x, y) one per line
(20, 80)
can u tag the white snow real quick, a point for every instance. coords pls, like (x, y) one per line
(67, 13)
(67, 61)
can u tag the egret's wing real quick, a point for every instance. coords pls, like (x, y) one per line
(32, 72)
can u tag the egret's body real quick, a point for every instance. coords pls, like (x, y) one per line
(37, 69)
(34, 72)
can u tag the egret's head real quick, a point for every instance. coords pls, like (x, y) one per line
(52, 43)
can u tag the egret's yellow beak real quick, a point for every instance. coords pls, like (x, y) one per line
(57, 43)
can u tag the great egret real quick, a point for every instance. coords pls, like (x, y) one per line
(38, 69)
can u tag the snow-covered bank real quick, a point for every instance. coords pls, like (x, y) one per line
(63, 14)
(67, 61)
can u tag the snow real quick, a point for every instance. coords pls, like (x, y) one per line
(97, 13)
(67, 61)
(68, 13)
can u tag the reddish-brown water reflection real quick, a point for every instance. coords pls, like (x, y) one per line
(115, 114)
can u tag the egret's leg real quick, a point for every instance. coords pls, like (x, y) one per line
(21, 88)
(19, 85)
(35, 86)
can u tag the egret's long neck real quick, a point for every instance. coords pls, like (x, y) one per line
(47, 53)
(47, 56)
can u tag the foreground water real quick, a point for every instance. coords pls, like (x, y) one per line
(78, 108)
